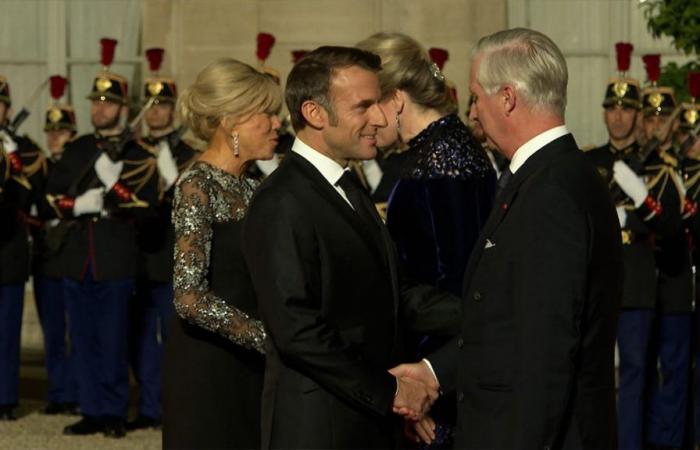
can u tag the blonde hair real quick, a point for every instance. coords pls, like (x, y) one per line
(226, 87)
(528, 60)
(406, 65)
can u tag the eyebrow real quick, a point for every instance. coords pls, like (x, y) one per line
(365, 103)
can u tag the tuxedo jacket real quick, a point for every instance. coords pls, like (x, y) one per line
(334, 304)
(533, 363)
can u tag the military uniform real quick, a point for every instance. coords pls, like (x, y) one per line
(47, 279)
(24, 174)
(99, 257)
(152, 305)
(670, 345)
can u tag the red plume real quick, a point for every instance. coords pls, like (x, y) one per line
(108, 46)
(624, 53)
(265, 43)
(298, 54)
(694, 84)
(155, 58)
(439, 56)
(58, 86)
(652, 64)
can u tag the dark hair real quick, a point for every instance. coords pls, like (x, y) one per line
(310, 78)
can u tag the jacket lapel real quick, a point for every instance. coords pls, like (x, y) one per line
(508, 196)
(323, 187)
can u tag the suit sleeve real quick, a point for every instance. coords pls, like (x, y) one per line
(281, 252)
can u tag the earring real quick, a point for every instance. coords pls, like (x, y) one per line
(398, 123)
(236, 144)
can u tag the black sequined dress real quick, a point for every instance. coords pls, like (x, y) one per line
(435, 214)
(213, 367)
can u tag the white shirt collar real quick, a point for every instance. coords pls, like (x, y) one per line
(331, 170)
(533, 145)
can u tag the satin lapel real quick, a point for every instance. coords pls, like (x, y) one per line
(321, 185)
(503, 202)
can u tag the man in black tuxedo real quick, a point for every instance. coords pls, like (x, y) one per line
(325, 272)
(533, 363)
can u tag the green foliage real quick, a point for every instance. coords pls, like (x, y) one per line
(676, 76)
(678, 19)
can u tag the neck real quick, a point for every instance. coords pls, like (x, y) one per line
(415, 119)
(110, 131)
(220, 155)
(313, 139)
(526, 128)
(619, 144)
(156, 133)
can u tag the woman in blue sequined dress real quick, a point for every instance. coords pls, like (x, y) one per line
(439, 205)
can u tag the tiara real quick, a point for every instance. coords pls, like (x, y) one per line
(437, 73)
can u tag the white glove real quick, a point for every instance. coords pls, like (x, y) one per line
(630, 183)
(167, 167)
(90, 202)
(108, 171)
(8, 143)
(621, 216)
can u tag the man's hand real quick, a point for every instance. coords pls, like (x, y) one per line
(417, 389)
(630, 183)
(90, 202)
(8, 144)
(421, 430)
(108, 171)
(167, 167)
(413, 398)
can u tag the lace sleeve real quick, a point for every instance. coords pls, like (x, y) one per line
(194, 302)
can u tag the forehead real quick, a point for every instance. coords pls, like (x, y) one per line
(354, 83)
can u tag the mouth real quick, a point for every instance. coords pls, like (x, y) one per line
(371, 139)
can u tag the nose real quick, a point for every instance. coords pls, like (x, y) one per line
(377, 117)
(276, 122)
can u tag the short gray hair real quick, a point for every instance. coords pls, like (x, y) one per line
(527, 60)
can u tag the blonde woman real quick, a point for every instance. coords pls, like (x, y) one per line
(439, 205)
(213, 369)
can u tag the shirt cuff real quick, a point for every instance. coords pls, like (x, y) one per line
(430, 366)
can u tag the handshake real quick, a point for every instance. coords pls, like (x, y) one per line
(417, 390)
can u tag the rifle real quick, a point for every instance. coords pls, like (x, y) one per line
(23, 113)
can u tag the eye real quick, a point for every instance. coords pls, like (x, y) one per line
(472, 99)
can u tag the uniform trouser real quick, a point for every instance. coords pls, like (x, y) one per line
(696, 377)
(11, 305)
(634, 329)
(151, 314)
(669, 384)
(53, 314)
(99, 329)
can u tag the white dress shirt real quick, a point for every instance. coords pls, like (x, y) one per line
(533, 145)
(331, 170)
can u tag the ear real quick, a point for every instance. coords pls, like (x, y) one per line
(314, 114)
(509, 97)
(399, 100)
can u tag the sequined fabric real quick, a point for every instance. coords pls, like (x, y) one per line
(205, 196)
(446, 148)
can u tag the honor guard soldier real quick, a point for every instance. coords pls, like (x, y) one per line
(24, 175)
(670, 345)
(102, 183)
(153, 303)
(689, 145)
(641, 210)
(60, 127)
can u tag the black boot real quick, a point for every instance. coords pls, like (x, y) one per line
(114, 427)
(86, 425)
(142, 422)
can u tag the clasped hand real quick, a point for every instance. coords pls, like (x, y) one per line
(417, 390)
